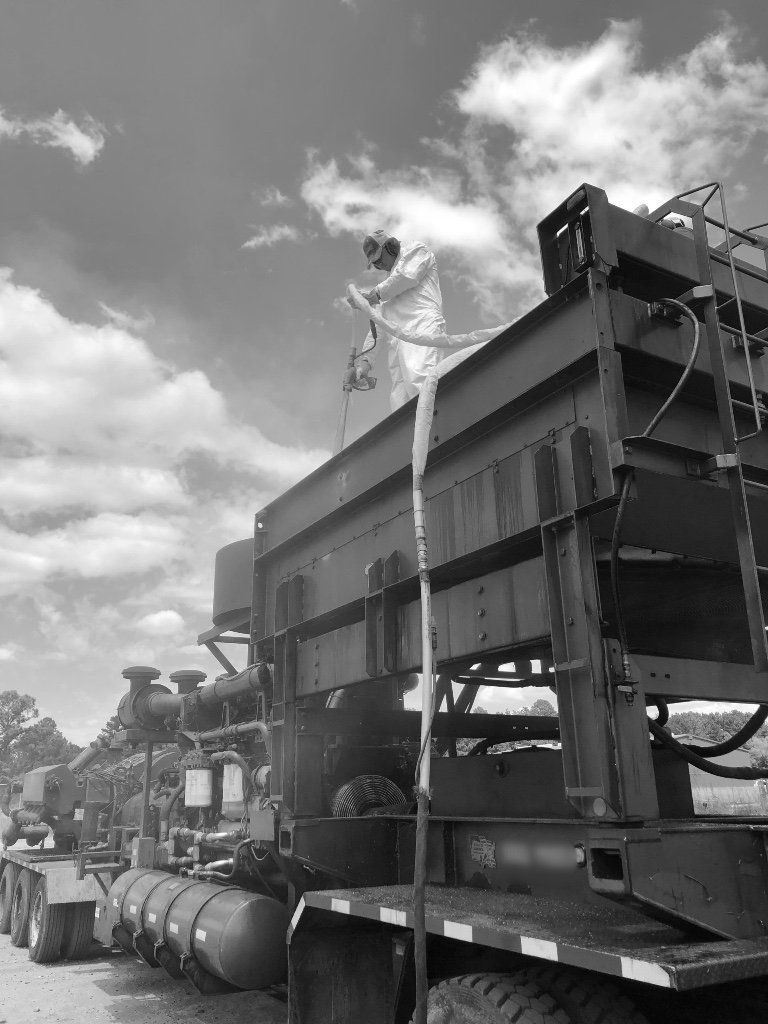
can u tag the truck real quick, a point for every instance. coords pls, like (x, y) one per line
(596, 492)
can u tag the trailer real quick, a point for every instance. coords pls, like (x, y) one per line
(596, 517)
(43, 905)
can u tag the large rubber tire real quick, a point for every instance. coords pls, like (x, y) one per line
(492, 999)
(8, 881)
(78, 930)
(586, 998)
(22, 899)
(46, 926)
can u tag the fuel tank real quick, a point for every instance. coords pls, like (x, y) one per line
(233, 934)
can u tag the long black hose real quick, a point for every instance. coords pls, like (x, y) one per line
(702, 762)
(691, 753)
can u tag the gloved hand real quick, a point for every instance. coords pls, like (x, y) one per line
(362, 369)
(372, 297)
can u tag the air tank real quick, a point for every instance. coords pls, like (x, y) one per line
(233, 934)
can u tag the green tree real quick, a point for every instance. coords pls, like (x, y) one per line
(110, 727)
(42, 743)
(758, 753)
(540, 708)
(16, 711)
(25, 743)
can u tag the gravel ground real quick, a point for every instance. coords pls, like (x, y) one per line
(111, 988)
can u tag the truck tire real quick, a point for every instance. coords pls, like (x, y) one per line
(46, 926)
(492, 999)
(586, 998)
(78, 930)
(8, 881)
(22, 898)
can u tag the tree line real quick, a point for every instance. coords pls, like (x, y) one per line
(26, 740)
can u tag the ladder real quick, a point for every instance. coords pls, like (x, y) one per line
(729, 460)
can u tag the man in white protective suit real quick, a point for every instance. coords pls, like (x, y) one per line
(410, 298)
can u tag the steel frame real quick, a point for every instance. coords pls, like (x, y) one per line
(532, 440)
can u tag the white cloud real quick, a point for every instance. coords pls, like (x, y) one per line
(8, 652)
(165, 623)
(56, 482)
(269, 236)
(273, 197)
(120, 318)
(100, 392)
(83, 141)
(533, 121)
(98, 442)
(109, 544)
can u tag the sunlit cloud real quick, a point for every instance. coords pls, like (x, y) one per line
(84, 141)
(269, 236)
(120, 318)
(271, 196)
(531, 122)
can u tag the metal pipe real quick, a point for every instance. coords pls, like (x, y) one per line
(249, 682)
(165, 811)
(147, 796)
(86, 756)
(162, 705)
(231, 731)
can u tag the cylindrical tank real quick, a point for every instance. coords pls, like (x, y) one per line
(231, 933)
(198, 780)
(232, 798)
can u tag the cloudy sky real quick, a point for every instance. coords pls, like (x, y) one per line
(184, 187)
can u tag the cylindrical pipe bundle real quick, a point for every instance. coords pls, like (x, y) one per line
(232, 934)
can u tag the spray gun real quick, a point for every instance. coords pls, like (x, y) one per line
(355, 379)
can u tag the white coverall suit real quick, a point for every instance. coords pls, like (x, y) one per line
(410, 298)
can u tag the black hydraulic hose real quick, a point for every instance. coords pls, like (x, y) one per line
(745, 733)
(663, 709)
(254, 861)
(703, 763)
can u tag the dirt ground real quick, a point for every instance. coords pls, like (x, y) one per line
(112, 988)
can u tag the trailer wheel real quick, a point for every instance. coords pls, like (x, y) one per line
(78, 930)
(8, 881)
(46, 926)
(586, 998)
(22, 897)
(492, 999)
